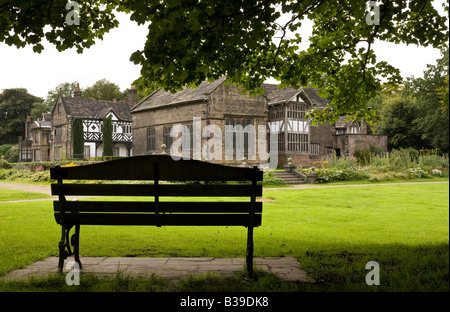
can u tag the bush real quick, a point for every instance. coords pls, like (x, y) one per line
(417, 173)
(270, 178)
(334, 175)
(9, 152)
(4, 164)
(365, 156)
(40, 176)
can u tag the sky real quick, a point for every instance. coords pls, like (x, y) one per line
(109, 58)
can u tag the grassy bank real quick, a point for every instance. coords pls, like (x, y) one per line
(333, 232)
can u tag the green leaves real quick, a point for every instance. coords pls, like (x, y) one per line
(15, 105)
(27, 22)
(245, 40)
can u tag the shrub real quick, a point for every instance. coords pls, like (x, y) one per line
(270, 178)
(363, 157)
(4, 164)
(5, 173)
(436, 172)
(334, 175)
(107, 137)
(77, 138)
(40, 176)
(417, 173)
(10, 152)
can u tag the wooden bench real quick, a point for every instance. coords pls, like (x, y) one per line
(158, 213)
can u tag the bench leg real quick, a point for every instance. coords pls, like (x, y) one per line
(62, 249)
(76, 244)
(249, 256)
(64, 245)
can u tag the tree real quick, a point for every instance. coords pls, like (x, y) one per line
(77, 138)
(246, 41)
(432, 94)
(416, 115)
(397, 116)
(15, 106)
(104, 90)
(65, 89)
(107, 137)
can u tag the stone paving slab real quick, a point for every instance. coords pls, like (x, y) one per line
(287, 268)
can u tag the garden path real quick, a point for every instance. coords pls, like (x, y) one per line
(45, 189)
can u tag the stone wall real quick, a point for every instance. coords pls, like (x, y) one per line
(61, 144)
(350, 143)
(224, 102)
(322, 134)
(365, 141)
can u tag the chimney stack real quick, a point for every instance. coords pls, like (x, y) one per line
(77, 92)
(132, 96)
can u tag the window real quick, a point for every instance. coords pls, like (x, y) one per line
(188, 139)
(37, 155)
(239, 140)
(167, 139)
(58, 131)
(27, 153)
(276, 112)
(36, 137)
(57, 153)
(126, 129)
(116, 151)
(296, 110)
(314, 149)
(151, 139)
(87, 151)
(297, 142)
(354, 129)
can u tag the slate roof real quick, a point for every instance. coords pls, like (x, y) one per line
(44, 122)
(41, 124)
(274, 95)
(277, 95)
(161, 98)
(341, 123)
(90, 108)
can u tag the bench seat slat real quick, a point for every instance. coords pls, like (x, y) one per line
(149, 190)
(149, 207)
(161, 219)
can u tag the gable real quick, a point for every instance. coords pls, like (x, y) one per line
(91, 108)
(161, 98)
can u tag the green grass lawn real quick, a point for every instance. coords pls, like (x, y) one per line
(333, 232)
(10, 195)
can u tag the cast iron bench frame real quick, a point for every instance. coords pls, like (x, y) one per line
(158, 213)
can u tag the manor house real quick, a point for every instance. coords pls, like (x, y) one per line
(50, 138)
(282, 110)
(144, 127)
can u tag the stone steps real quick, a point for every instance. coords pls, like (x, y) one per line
(289, 178)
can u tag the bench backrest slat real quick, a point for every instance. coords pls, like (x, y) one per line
(232, 190)
(143, 168)
(160, 209)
